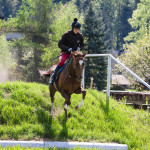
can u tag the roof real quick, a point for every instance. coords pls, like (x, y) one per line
(119, 80)
(14, 35)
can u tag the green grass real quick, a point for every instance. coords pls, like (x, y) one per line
(25, 115)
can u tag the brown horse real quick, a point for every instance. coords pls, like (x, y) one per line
(69, 80)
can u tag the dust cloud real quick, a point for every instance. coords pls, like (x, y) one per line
(4, 75)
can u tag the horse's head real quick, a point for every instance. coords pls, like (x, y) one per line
(77, 62)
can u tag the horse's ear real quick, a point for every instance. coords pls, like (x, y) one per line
(85, 53)
(72, 59)
(72, 62)
(73, 55)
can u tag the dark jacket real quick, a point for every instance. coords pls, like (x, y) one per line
(71, 40)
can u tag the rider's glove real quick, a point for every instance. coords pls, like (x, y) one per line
(70, 49)
(78, 48)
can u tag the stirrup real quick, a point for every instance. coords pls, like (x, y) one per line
(54, 75)
(51, 80)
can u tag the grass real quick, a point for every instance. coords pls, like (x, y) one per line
(25, 115)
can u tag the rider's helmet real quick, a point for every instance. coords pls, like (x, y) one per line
(76, 24)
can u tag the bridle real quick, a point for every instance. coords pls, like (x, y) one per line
(76, 77)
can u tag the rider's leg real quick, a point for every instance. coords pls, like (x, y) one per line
(62, 60)
(53, 76)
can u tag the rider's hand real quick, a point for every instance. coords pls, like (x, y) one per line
(78, 48)
(70, 49)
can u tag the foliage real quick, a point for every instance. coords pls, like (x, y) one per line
(138, 43)
(140, 22)
(24, 50)
(33, 19)
(63, 18)
(25, 114)
(137, 58)
(106, 10)
(8, 7)
(94, 36)
(115, 14)
(42, 24)
(122, 26)
(34, 16)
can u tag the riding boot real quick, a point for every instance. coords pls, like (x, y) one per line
(53, 76)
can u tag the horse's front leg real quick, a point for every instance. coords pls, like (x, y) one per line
(52, 93)
(79, 91)
(67, 101)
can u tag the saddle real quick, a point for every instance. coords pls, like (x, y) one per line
(47, 74)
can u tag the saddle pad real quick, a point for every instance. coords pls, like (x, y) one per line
(60, 70)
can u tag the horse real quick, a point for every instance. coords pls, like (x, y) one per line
(69, 81)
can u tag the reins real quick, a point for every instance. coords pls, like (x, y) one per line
(78, 78)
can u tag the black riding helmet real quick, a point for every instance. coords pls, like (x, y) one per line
(76, 24)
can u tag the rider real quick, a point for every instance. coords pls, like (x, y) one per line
(71, 41)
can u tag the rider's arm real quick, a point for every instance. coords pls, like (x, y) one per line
(62, 43)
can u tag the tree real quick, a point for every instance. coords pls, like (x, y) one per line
(140, 22)
(115, 15)
(63, 1)
(33, 19)
(137, 47)
(42, 23)
(107, 11)
(122, 26)
(94, 36)
(9, 7)
(78, 3)
(137, 58)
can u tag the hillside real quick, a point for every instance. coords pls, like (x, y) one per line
(25, 115)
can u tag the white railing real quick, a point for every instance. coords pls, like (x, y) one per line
(109, 74)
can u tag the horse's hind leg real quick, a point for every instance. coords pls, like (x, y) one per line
(79, 91)
(52, 93)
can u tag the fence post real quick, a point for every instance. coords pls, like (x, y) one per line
(108, 83)
(83, 78)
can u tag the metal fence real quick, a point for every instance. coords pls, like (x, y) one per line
(110, 57)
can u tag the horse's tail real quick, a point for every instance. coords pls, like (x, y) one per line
(46, 74)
